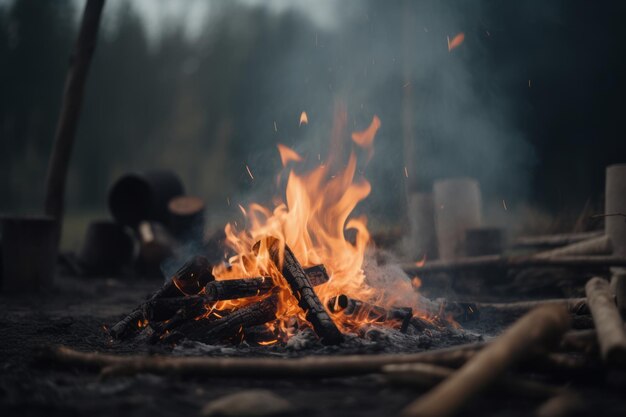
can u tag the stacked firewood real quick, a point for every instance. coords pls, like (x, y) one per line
(183, 308)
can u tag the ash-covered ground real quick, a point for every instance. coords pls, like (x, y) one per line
(75, 312)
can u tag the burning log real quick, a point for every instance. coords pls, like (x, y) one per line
(306, 367)
(230, 289)
(540, 327)
(302, 290)
(211, 331)
(609, 325)
(151, 309)
(350, 307)
(192, 276)
(426, 375)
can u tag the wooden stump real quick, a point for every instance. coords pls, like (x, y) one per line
(28, 253)
(186, 218)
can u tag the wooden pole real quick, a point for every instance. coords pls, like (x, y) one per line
(267, 368)
(538, 328)
(70, 111)
(519, 262)
(609, 325)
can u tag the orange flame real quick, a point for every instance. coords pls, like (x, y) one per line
(304, 118)
(456, 41)
(313, 219)
(365, 138)
(288, 155)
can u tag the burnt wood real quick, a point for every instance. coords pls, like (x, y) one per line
(196, 273)
(230, 289)
(211, 331)
(351, 307)
(302, 290)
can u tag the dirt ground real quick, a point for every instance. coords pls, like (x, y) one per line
(75, 311)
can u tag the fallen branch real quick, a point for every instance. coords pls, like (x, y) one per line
(554, 240)
(425, 375)
(573, 305)
(498, 261)
(307, 367)
(609, 325)
(540, 327)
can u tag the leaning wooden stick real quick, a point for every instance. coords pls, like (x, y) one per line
(538, 328)
(609, 324)
(308, 367)
(426, 375)
(70, 110)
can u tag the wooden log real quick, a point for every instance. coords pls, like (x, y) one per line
(211, 331)
(458, 207)
(230, 289)
(563, 405)
(618, 287)
(70, 111)
(186, 217)
(422, 240)
(351, 307)
(144, 196)
(128, 326)
(184, 314)
(573, 305)
(155, 246)
(29, 253)
(515, 262)
(609, 325)
(259, 335)
(426, 375)
(152, 309)
(194, 274)
(600, 245)
(553, 241)
(302, 290)
(268, 368)
(317, 275)
(615, 207)
(107, 248)
(540, 327)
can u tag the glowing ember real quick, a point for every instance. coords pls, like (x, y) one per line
(304, 118)
(456, 41)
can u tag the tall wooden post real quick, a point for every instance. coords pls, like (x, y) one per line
(70, 111)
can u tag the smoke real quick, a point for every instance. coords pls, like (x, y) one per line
(386, 59)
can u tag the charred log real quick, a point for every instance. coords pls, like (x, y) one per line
(231, 289)
(302, 290)
(195, 274)
(351, 307)
(208, 331)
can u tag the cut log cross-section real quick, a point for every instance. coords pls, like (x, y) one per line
(302, 289)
